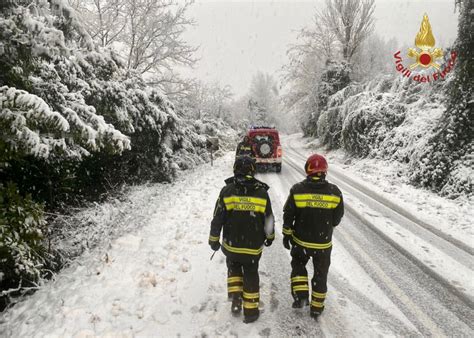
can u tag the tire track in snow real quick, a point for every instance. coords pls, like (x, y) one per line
(430, 296)
(392, 286)
(367, 193)
(459, 284)
(337, 320)
(464, 314)
(388, 283)
(276, 265)
(339, 288)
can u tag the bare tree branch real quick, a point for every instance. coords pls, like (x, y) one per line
(351, 21)
(146, 33)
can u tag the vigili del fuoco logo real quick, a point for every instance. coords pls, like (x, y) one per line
(425, 56)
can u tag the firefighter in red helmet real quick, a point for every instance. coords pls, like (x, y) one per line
(313, 208)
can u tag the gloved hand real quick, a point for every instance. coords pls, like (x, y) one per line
(215, 245)
(286, 241)
(268, 242)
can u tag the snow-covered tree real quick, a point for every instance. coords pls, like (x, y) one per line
(372, 59)
(330, 43)
(334, 77)
(147, 34)
(21, 239)
(74, 120)
(351, 22)
(206, 100)
(300, 78)
(39, 113)
(239, 113)
(318, 39)
(263, 104)
(446, 163)
(206, 109)
(105, 20)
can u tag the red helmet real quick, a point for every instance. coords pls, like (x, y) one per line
(315, 164)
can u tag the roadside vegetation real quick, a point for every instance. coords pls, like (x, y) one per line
(341, 86)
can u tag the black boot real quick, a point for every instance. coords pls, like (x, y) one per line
(251, 318)
(300, 303)
(236, 307)
(314, 314)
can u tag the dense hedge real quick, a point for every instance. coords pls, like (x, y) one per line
(396, 119)
(75, 125)
(428, 126)
(21, 233)
(446, 163)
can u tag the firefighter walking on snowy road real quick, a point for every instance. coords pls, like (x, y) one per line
(244, 212)
(313, 208)
(244, 148)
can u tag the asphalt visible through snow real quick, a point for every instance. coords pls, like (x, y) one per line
(377, 281)
(391, 273)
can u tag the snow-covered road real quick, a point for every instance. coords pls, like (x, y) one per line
(392, 273)
(425, 273)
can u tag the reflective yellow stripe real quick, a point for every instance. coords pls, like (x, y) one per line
(317, 197)
(317, 304)
(316, 201)
(316, 204)
(213, 238)
(235, 279)
(300, 288)
(245, 207)
(245, 199)
(319, 246)
(318, 295)
(242, 250)
(251, 295)
(234, 289)
(272, 236)
(245, 203)
(250, 305)
(299, 279)
(287, 231)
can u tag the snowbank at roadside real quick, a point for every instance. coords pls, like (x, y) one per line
(151, 281)
(453, 217)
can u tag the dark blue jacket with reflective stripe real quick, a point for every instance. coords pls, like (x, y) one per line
(244, 148)
(313, 208)
(244, 212)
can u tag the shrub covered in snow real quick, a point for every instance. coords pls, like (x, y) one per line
(215, 127)
(390, 118)
(430, 127)
(446, 162)
(70, 105)
(21, 233)
(334, 77)
(360, 116)
(74, 122)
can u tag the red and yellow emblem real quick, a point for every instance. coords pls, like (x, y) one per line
(425, 55)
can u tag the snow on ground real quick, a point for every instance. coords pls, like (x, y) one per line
(101, 223)
(157, 279)
(453, 217)
(144, 283)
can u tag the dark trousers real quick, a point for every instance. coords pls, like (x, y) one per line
(299, 275)
(243, 282)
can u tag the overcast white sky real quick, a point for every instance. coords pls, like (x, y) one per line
(239, 38)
